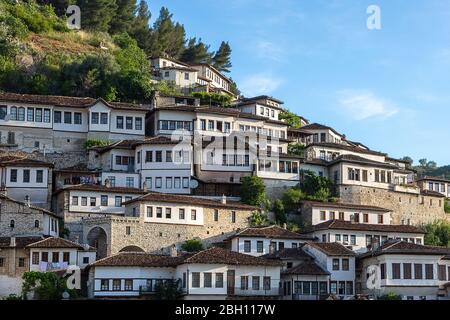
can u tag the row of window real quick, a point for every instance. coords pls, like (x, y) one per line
(129, 181)
(439, 187)
(283, 166)
(44, 257)
(21, 262)
(341, 264)
(158, 212)
(177, 156)
(229, 160)
(267, 112)
(307, 288)
(171, 183)
(12, 223)
(263, 131)
(416, 270)
(356, 217)
(208, 276)
(77, 117)
(30, 114)
(104, 201)
(213, 125)
(26, 176)
(272, 246)
(128, 124)
(341, 287)
(174, 125)
(116, 285)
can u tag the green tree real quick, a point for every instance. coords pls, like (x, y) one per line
(390, 296)
(290, 118)
(258, 218)
(297, 149)
(253, 191)
(213, 99)
(45, 285)
(196, 52)
(140, 30)
(280, 213)
(315, 186)
(124, 18)
(423, 162)
(447, 206)
(193, 245)
(97, 14)
(168, 290)
(222, 58)
(409, 159)
(168, 37)
(234, 88)
(291, 199)
(60, 6)
(437, 234)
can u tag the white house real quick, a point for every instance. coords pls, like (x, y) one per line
(214, 273)
(258, 241)
(339, 262)
(416, 272)
(361, 237)
(435, 184)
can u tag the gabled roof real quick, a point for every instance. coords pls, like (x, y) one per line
(44, 211)
(173, 198)
(157, 140)
(270, 232)
(340, 205)
(122, 144)
(101, 188)
(332, 248)
(138, 259)
(216, 255)
(307, 267)
(288, 253)
(21, 241)
(348, 225)
(402, 247)
(360, 160)
(318, 126)
(346, 147)
(432, 193)
(440, 179)
(19, 161)
(54, 242)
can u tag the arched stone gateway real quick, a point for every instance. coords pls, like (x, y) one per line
(132, 249)
(97, 238)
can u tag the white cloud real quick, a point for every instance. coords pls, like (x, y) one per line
(363, 104)
(260, 83)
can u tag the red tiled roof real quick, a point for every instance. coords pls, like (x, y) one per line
(340, 205)
(21, 242)
(288, 253)
(13, 161)
(307, 267)
(138, 259)
(270, 232)
(332, 248)
(101, 188)
(172, 198)
(347, 225)
(54, 242)
(431, 193)
(402, 247)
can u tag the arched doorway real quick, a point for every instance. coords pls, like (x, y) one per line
(97, 238)
(132, 249)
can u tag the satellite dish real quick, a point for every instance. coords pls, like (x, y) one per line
(193, 184)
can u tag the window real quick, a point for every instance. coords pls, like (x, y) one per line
(380, 219)
(158, 182)
(219, 280)
(244, 282)
(138, 124)
(119, 122)
(13, 175)
(349, 288)
(280, 245)
(3, 112)
(366, 218)
(118, 201)
(104, 201)
(39, 176)
(55, 257)
(56, 116)
(429, 272)
(396, 271)
(116, 284)
(441, 272)
(247, 246)
(128, 230)
(158, 156)
(93, 201)
(13, 113)
(335, 264)
(30, 115)
(21, 114)
(266, 283)
(128, 284)
(94, 117)
(207, 280)
(259, 246)
(233, 216)
(103, 118)
(84, 201)
(352, 239)
(36, 223)
(26, 175)
(364, 176)
(193, 214)
(158, 212)
(338, 237)
(130, 182)
(383, 270)
(216, 215)
(44, 256)
(341, 216)
(168, 156)
(186, 76)
(181, 214)
(332, 215)
(203, 124)
(195, 279)
(129, 123)
(407, 271)
(21, 262)
(67, 117)
(168, 182)
(77, 119)
(104, 285)
(185, 183)
(323, 215)
(149, 212)
(168, 213)
(66, 256)
(47, 115)
(149, 156)
(211, 125)
(34, 258)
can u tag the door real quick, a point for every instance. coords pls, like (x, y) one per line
(230, 282)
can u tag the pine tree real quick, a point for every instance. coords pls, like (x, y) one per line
(196, 52)
(140, 30)
(168, 37)
(97, 14)
(222, 58)
(60, 6)
(124, 18)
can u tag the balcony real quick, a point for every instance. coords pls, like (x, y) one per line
(239, 292)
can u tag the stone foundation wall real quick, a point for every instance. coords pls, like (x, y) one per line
(406, 207)
(159, 237)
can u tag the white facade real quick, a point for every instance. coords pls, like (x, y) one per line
(258, 246)
(46, 259)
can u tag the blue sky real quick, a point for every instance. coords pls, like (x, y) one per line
(388, 88)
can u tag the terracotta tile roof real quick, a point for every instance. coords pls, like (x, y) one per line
(173, 198)
(14, 161)
(157, 140)
(263, 97)
(347, 225)
(138, 259)
(101, 188)
(270, 232)
(122, 144)
(402, 247)
(65, 101)
(318, 126)
(54, 242)
(288, 253)
(431, 193)
(332, 248)
(340, 205)
(217, 255)
(360, 160)
(21, 241)
(345, 147)
(78, 168)
(307, 267)
(441, 179)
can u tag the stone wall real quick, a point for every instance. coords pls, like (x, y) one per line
(406, 207)
(159, 237)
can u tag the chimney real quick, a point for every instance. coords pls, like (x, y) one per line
(144, 186)
(28, 200)
(224, 199)
(13, 242)
(173, 251)
(285, 226)
(107, 183)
